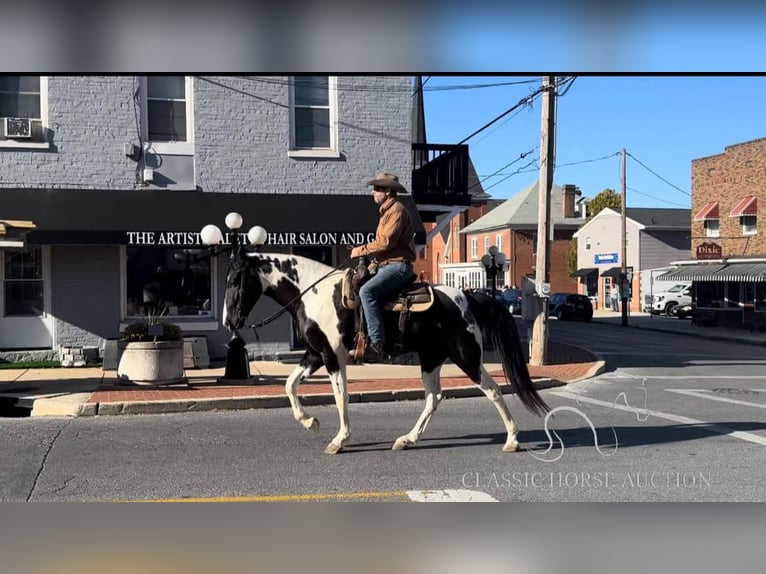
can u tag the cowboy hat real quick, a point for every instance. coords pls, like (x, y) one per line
(387, 181)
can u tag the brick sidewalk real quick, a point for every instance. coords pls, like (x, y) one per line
(567, 364)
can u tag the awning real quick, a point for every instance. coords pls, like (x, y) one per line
(612, 272)
(118, 216)
(710, 211)
(13, 233)
(585, 272)
(699, 272)
(746, 272)
(748, 205)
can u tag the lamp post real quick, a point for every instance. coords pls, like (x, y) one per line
(237, 365)
(494, 263)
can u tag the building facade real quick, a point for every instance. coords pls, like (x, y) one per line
(728, 247)
(120, 173)
(653, 238)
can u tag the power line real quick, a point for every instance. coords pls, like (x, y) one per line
(655, 198)
(357, 87)
(588, 160)
(521, 156)
(522, 102)
(533, 162)
(659, 176)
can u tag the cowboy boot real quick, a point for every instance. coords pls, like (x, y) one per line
(374, 353)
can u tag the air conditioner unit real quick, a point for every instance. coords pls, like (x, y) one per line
(17, 128)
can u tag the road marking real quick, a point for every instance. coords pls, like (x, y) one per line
(713, 427)
(413, 495)
(682, 377)
(449, 496)
(705, 394)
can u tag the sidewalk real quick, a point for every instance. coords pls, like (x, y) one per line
(681, 327)
(93, 391)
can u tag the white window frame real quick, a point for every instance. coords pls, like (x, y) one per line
(486, 244)
(499, 242)
(710, 230)
(749, 224)
(10, 144)
(168, 148)
(185, 322)
(587, 244)
(474, 247)
(322, 152)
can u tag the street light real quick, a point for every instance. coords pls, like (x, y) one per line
(237, 366)
(494, 263)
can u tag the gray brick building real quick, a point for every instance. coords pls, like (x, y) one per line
(119, 174)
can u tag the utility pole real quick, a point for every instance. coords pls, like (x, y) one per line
(624, 255)
(539, 351)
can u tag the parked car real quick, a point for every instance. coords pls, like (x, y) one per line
(566, 306)
(512, 298)
(665, 301)
(682, 311)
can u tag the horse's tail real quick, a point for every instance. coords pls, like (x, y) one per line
(499, 325)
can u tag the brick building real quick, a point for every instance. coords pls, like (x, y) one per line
(728, 244)
(512, 227)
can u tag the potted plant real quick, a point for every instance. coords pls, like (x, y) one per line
(152, 352)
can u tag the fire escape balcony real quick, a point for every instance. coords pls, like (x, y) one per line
(439, 178)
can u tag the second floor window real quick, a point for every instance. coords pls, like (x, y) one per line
(313, 113)
(712, 228)
(166, 108)
(474, 247)
(499, 242)
(749, 224)
(24, 99)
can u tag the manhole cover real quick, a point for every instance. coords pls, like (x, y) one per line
(730, 391)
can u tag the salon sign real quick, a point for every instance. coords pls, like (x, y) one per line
(192, 238)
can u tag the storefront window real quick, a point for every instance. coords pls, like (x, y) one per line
(709, 294)
(173, 281)
(760, 296)
(734, 294)
(24, 282)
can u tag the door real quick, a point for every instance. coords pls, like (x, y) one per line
(25, 319)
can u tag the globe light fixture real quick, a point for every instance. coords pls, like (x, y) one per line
(211, 235)
(494, 264)
(257, 235)
(233, 220)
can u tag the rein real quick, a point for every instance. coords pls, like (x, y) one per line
(285, 308)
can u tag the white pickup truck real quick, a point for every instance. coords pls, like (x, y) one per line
(663, 302)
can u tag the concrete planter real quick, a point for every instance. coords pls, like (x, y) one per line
(152, 363)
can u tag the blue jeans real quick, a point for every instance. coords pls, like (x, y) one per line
(388, 278)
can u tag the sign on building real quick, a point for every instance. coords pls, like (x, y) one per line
(605, 258)
(708, 250)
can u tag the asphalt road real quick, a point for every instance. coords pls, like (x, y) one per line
(674, 419)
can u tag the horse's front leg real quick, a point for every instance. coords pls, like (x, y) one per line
(306, 367)
(432, 384)
(339, 382)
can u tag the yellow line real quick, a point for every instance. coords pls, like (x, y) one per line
(285, 497)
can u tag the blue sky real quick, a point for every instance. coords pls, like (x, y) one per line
(662, 121)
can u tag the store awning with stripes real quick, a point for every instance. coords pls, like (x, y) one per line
(700, 272)
(748, 205)
(746, 272)
(708, 212)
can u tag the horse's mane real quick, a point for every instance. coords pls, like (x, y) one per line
(308, 269)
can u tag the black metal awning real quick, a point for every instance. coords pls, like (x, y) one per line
(697, 272)
(77, 216)
(585, 272)
(612, 272)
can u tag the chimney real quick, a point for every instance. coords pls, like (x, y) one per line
(568, 200)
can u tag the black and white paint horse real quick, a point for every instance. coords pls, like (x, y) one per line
(454, 327)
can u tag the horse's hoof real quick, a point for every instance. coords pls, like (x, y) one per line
(511, 446)
(402, 443)
(311, 424)
(333, 448)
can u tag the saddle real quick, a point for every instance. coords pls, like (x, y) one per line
(412, 297)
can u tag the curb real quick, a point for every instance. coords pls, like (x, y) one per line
(246, 403)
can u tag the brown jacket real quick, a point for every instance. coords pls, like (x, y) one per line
(395, 236)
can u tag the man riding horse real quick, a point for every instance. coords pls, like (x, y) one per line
(393, 250)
